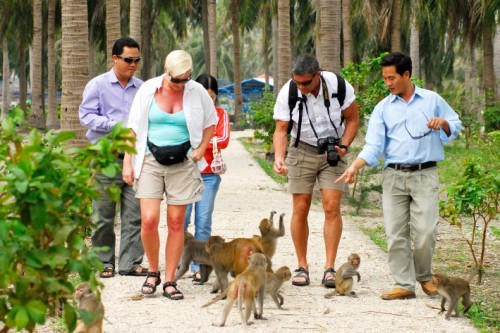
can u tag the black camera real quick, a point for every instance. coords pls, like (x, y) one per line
(328, 145)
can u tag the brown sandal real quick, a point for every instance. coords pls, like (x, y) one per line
(146, 284)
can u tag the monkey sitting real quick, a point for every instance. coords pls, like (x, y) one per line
(269, 235)
(245, 287)
(194, 250)
(452, 289)
(275, 281)
(90, 305)
(231, 257)
(344, 277)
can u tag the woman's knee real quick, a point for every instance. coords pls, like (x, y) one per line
(149, 223)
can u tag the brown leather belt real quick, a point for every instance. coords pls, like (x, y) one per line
(411, 167)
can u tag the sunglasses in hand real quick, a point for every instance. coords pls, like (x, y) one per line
(130, 60)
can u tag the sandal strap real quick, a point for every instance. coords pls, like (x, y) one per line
(153, 274)
(301, 271)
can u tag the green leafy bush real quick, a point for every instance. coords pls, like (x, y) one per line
(263, 118)
(45, 190)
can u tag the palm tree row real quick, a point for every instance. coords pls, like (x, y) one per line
(68, 42)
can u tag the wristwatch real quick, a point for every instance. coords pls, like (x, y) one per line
(344, 147)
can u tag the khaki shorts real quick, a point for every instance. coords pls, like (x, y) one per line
(305, 166)
(181, 183)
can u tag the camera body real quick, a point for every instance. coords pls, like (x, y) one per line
(328, 145)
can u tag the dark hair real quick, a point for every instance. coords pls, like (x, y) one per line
(305, 64)
(398, 59)
(209, 82)
(121, 43)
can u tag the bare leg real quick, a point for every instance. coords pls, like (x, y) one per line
(150, 215)
(299, 228)
(332, 230)
(175, 241)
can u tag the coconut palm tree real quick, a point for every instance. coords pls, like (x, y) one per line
(212, 35)
(284, 48)
(37, 118)
(74, 66)
(135, 25)
(330, 17)
(6, 77)
(347, 32)
(112, 27)
(52, 120)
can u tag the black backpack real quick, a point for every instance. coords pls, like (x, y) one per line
(293, 97)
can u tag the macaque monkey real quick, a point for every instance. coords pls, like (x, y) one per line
(231, 257)
(245, 287)
(452, 289)
(194, 250)
(269, 235)
(344, 277)
(88, 301)
(275, 281)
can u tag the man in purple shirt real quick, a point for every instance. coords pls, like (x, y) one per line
(106, 101)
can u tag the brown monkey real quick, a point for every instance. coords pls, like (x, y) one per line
(231, 257)
(344, 277)
(275, 281)
(245, 287)
(452, 289)
(269, 235)
(194, 250)
(88, 302)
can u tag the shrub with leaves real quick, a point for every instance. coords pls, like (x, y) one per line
(45, 191)
(263, 118)
(472, 203)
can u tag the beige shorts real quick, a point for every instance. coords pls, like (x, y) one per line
(181, 183)
(305, 166)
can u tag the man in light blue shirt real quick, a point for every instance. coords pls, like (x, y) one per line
(106, 101)
(408, 128)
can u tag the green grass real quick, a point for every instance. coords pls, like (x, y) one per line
(377, 235)
(257, 150)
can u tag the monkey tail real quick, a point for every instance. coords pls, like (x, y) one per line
(216, 299)
(241, 290)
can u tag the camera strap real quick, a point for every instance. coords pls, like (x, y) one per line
(327, 105)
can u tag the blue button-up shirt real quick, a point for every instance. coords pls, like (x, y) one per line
(394, 122)
(105, 103)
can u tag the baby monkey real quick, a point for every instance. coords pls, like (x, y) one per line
(88, 302)
(275, 281)
(269, 234)
(452, 289)
(344, 277)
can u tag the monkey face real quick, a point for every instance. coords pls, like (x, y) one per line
(355, 260)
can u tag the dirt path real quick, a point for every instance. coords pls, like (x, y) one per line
(246, 196)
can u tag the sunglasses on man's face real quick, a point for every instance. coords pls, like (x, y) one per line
(305, 83)
(176, 80)
(130, 60)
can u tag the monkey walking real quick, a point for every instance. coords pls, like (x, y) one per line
(452, 289)
(344, 277)
(88, 301)
(269, 235)
(231, 257)
(245, 287)
(195, 250)
(275, 281)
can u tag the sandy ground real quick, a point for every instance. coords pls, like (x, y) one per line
(246, 196)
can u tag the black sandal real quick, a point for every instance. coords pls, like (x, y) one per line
(301, 273)
(107, 272)
(329, 283)
(146, 284)
(173, 294)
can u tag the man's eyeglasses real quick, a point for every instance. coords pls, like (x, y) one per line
(417, 137)
(305, 83)
(176, 80)
(130, 60)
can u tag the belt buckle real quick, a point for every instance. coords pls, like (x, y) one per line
(406, 167)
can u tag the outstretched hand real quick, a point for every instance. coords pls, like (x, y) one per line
(349, 176)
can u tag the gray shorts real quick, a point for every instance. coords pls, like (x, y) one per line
(305, 166)
(181, 183)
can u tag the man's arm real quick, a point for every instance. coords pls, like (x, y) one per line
(351, 115)
(349, 176)
(280, 142)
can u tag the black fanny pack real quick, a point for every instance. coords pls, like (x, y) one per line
(169, 155)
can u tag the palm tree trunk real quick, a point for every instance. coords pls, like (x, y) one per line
(238, 113)
(22, 74)
(52, 121)
(284, 48)
(496, 61)
(6, 78)
(206, 42)
(347, 32)
(488, 71)
(37, 118)
(415, 46)
(330, 34)
(112, 27)
(274, 29)
(212, 36)
(135, 25)
(74, 66)
(265, 43)
(396, 26)
(147, 26)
